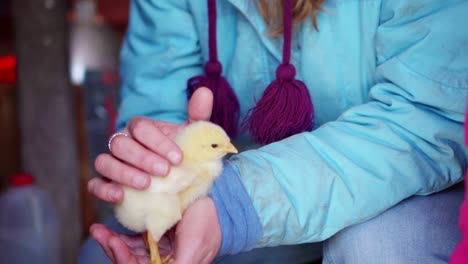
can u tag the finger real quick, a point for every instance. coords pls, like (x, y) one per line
(143, 259)
(133, 241)
(105, 191)
(148, 133)
(102, 235)
(166, 252)
(200, 105)
(135, 154)
(139, 251)
(115, 170)
(165, 246)
(121, 252)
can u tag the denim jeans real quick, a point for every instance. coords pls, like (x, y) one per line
(421, 229)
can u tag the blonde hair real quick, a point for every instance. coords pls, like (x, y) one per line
(272, 13)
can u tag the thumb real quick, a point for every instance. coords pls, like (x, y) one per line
(121, 252)
(200, 105)
(198, 234)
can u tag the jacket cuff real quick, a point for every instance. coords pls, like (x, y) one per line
(240, 226)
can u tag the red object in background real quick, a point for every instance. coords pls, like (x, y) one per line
(114, 12)
(109, 79)
(21, 179)
(111, 111)
(8, 69)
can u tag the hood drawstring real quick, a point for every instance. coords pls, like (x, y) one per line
(285, 108)
(225, 103)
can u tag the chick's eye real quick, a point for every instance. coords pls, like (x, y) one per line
(214, 145)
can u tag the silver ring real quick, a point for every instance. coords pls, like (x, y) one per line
(114, 136)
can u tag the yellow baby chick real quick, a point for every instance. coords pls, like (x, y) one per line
(160, 207)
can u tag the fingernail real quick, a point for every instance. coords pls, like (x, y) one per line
(113, 195)
(160, 169)
(139, 181)
(174, 156)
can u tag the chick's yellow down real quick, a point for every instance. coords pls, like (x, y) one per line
(160, 207)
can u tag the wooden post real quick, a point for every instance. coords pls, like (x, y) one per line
(47, 119)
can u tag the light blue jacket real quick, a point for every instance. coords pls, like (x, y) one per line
(388, 80)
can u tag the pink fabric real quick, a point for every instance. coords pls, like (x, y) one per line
(460, 255)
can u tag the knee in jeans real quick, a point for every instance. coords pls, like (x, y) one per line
(360, 245)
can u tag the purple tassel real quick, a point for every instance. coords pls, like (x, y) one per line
(285, 108)
(225, 105)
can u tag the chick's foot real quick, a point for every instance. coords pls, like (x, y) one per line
(168, 260)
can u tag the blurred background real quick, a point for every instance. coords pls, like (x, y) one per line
(58, 102)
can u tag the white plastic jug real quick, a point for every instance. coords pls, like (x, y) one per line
(29, 228)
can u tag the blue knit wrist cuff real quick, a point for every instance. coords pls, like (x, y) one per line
(240, 226)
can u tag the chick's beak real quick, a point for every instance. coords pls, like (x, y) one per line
(231, 149)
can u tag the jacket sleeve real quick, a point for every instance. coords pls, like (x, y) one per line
(406, 140)
(159, 54)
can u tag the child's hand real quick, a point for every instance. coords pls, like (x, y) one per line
(196, 239)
